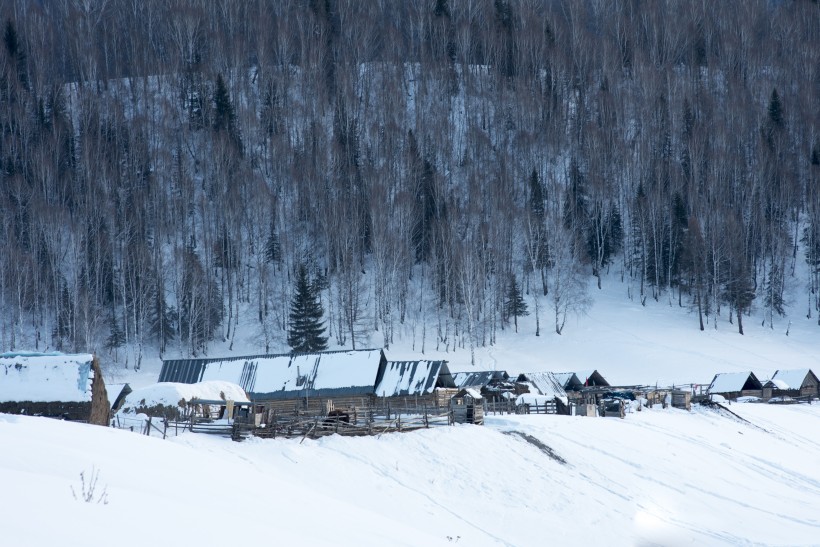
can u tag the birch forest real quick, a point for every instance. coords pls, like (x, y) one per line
(168, 167)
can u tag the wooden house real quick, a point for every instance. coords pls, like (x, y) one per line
(546, 384)
(54, 385)
(494, 385)
(732, 385)
(322, 382)
(793, 383)
(467, 407)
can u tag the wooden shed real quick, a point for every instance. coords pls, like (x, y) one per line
(467, 407)
(794, 383)
(546, 384)
(732, 385)
(494, 385)
(54, 385)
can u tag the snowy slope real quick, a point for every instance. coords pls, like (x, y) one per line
(629, 343)
(658, 477)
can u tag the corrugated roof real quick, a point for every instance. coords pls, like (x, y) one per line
(545, 383)
(478, 378)
(568, 379)
(403, 378)
(727, 382)
(46, 377)
(285, 376)
(793, 378)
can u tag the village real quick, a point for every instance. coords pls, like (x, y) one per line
(352, 392)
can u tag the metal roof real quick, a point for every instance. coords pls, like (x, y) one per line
(544, 383)
(478, 378)
(285, 376)
(403, 378)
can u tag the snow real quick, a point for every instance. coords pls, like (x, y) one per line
(545, 383)
(658, 477)
(409, 378)
(45, 377)
(726, 382)
(792, 378)
(170, 393)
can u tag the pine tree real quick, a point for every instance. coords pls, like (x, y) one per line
(306, 325)
(514, 304)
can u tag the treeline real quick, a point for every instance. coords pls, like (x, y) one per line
(438, 168)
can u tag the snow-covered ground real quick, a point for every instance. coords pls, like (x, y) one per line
(658, 477)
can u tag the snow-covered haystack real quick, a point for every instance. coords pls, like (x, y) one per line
(170, 398)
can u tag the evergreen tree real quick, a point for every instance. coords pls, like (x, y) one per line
(306, 325)
(514, 304)
(273, 251)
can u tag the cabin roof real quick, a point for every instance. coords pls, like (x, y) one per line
(470, 392)
(401, 378)
(728, 382)
(793, 378)
(544, 383)
(478, 378)
(568, 380)
(285, 376)
(46, 377)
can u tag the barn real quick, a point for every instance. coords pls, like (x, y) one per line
(795, 383)
(732, 385)
(321, 381)
(55, 385)
(494, 385)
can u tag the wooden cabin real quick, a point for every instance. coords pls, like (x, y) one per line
(494, 385)
(54, 385)
(323, 382)
(732, 385)
(801, 383)
(467, 407)
(548, 385)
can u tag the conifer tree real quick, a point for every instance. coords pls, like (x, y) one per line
(307, 329)
(515, 304)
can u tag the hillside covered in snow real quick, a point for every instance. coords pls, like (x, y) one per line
(657, 477)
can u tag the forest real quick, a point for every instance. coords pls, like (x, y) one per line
(430, 170)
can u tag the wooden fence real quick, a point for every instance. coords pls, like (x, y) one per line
(352, 422)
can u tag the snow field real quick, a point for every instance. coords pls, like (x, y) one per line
(658, 477)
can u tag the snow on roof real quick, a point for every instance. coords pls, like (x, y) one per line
(45, 377)
(170, 393)
(726, 382)
(793, 378)
(478, 378)
(410, 377)
(472, 392)
(545, 383)
(778, 383)
(283, 376)
(567, 379)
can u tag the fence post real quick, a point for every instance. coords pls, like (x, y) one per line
(148, 427)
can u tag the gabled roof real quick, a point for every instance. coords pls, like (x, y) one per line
(468, 392)
(46, 377)
(794, 378)
(402, 378)
(728, 382)
(544, 383)
(591, 378)
(117, 394)
(285, 376)
(478, 378)
(569, 380)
